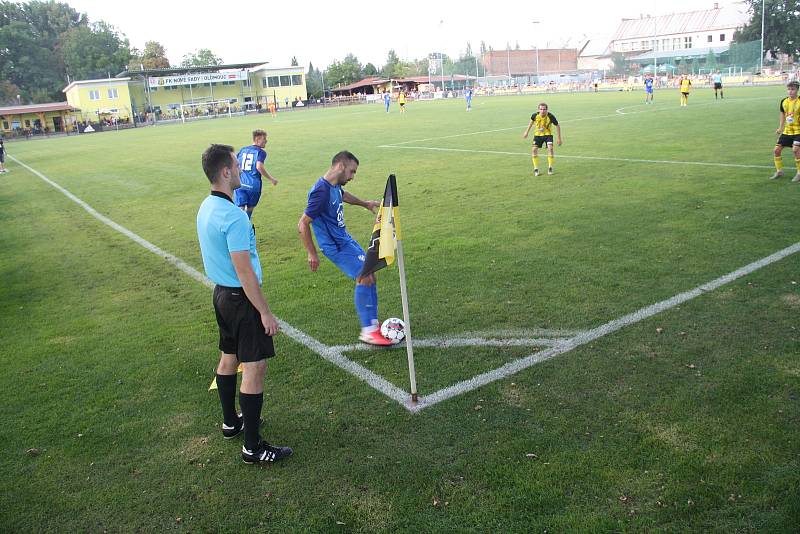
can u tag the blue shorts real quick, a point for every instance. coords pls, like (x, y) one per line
(246, 197)
(349, 259)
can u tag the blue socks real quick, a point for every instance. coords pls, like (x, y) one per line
(364, 306)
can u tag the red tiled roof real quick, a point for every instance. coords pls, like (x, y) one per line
(36, 108)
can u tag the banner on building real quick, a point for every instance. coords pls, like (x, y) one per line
(204, 77)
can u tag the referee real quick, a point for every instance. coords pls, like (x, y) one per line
(246, 324)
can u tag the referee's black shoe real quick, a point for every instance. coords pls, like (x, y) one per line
(265, 453)
(229, 432)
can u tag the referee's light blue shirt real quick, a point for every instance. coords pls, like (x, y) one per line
(223, 228)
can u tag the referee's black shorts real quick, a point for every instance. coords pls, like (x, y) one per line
(240, 329)
(541, 140)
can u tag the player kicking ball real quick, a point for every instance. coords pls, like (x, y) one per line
(542, 124)
(325, 215)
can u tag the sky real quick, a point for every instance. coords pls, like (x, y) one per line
(321, 32)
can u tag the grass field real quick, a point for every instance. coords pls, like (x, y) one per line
(687, 420)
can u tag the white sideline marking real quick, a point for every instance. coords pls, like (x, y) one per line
(596, 333)
(335, 356)
(601, 158)
(446, 343)
(651, 108)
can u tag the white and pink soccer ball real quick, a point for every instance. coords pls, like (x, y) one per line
(394, 330)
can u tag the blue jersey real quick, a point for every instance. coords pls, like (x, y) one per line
(468, 94)
(648, 85)
(326, 209)
(223, 228)
(248, 157)
(387, 98)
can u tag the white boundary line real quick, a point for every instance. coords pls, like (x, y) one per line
(335, 356)
(565, 156)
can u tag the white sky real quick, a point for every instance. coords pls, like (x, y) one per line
(321, 32)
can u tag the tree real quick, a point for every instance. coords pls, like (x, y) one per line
(343, 73)
(619, 64)
(370, 70)
(202, 57)
(294, 61)
(94, 51)
(154, 56)
(313, 81)
(393, 68)
(781, 26)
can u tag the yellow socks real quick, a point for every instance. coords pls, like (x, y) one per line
(797, 164)
(535, 162)
(550, 161)
(778, 163)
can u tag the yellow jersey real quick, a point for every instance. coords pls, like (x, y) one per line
(791, 110)
(685, 85)
(543, 125)
(401, 98)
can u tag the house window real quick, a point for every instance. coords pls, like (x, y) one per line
(274, 81)
(721, 37)
(264, 82)
(112, 93)
(687, 42)
(676, 43)
(710, 38)
(94, 94)
(286, 80)
(297, 79)
(5, 125)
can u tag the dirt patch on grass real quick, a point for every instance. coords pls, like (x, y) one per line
(792, 300)
(61, 340)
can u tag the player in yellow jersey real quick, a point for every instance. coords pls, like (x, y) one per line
(542, 124)
(789, 130)
(686, 85)
(401, 99)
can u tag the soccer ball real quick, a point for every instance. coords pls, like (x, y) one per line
(394, 330)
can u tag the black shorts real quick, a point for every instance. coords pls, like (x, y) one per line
(788, 140)
(402, 104)
(2, 157)
(240, 329)
(717, 85)
(685, 94)
(540, 140)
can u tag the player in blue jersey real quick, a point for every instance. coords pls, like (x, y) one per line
(648, 90)
(468, 97)
(251, 163)
(325, 215)
(245, 321)
(387, 99)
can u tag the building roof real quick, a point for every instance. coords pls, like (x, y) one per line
(166, 71)
(36, 108)
(94, 82)
(677, 23)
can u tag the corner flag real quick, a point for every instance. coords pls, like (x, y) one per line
(385, 233)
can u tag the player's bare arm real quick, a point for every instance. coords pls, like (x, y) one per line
(244, 271)
(304, 229)
(263, 171)
(527, 131)
(558, 132)
(351, 199)
(781, 124)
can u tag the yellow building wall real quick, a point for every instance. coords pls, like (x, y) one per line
(27, 121)
(106, 105)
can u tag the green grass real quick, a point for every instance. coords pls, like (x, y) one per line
(108, 350)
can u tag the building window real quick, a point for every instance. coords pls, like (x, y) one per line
(94, 94)
(643, 45)
(664, 44)
(27, 123)
(264, 82)
(286, 80)
(228, 83)
(721, 37)
(153, 89)
(5, 125)
(112, 93)
(676, 43)
(687, 42)
(710, 38)
(297, 79)
(170, 88)
(274, 81)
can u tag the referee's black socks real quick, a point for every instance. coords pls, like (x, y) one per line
(251, 413)
(226, 387)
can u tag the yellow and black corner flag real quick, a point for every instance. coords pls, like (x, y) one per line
(385, 233)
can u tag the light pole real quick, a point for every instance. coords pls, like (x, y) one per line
(761, 57)
(536, 46)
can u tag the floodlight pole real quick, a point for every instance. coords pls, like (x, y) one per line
(536, 46)
(761, 57)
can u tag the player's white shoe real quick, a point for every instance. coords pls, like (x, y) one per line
(550, 171)
(536, 172)
(778, 174)
(796, 178)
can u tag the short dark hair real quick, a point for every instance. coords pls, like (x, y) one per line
(215, 158)
(343, 156)
(259, 133)
(793, 83)
(542, 104)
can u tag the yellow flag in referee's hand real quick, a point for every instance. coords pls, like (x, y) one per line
(385, 233)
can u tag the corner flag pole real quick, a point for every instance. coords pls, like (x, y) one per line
(404, 298)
